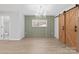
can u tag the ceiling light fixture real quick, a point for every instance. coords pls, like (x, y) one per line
(41, 11)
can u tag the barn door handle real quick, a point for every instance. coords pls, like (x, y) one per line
(75, 28)
(62, 27)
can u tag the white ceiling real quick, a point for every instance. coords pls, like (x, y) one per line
(31, 9)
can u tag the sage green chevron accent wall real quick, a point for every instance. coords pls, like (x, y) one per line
(51, 18)
(39, 31)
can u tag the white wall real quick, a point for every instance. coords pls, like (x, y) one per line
(16, 29)
(17, 26)
(56, 28)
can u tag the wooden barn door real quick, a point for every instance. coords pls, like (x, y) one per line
(78, 30)
(71, 27)
(62, 28)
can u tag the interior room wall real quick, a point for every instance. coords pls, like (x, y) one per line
(16, 25)
(49, 32)
(56, 28)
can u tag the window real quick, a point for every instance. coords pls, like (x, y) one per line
(39, 23)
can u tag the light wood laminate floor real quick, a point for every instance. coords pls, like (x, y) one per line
(34, 45)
